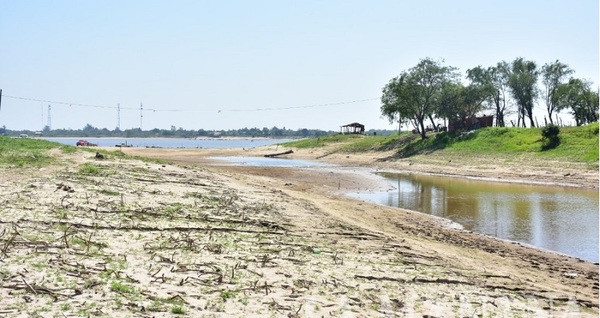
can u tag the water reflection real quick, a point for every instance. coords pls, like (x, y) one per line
(554, 218)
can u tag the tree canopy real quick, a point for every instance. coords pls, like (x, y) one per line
(553, 75)
(431, 90)
(414, 95)
(578, 96)
(523, 87)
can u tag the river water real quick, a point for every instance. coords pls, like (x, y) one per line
(174, 142)
(559, 219)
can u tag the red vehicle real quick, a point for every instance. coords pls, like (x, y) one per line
(85, 143)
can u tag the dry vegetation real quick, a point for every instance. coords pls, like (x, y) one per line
(122, 237)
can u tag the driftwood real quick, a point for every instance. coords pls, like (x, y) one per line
(279, 154)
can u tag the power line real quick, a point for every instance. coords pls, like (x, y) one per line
(58, 102)
(118, 107)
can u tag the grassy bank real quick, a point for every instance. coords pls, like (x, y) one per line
(577, 144)
(31, 152)
(20, 152)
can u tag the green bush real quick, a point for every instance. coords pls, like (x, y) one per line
(550, 138)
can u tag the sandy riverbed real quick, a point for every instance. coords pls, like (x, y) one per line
(195, 237)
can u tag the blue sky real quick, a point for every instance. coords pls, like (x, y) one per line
(234, 64)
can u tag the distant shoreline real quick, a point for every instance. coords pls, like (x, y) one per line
(164, 142)
(170, 138)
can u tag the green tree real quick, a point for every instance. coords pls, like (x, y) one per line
(494, 82)
(523, 86)
(553, 75)
(457, 102)
(449, 101)
(578, 96)
(396, 101)
(89, 130)
(414, 94)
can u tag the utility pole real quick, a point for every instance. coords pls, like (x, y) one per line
(0, 99)
(119, 116)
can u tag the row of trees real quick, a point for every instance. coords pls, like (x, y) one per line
(433, 90)
(91, 131)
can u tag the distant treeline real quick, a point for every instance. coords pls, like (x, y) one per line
(91, 131)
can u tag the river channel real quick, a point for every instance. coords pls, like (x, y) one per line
(559, 219)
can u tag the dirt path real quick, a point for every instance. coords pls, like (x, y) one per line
(130, 238)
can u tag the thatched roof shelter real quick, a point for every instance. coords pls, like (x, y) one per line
(353, 128)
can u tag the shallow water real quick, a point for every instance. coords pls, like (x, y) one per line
(559, 219)
(270, 162)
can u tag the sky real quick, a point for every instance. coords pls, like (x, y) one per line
(217, 65)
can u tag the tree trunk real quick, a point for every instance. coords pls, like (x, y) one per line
(432, 122)
(499, 114)
(422, 130)
(499, 119)
(530, 115)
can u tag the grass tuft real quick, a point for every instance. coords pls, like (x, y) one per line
(177, 310)
(89, 169)
(122, 288)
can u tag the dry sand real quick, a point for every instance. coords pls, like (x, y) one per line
(198, 238)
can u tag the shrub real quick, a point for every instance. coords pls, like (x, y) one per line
(550, 139)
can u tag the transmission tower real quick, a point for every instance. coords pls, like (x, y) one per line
(141, 115)
(49, 125)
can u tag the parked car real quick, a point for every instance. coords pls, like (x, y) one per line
(85, 143)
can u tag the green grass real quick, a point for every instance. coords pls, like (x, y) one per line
(320, 141)
(376, 143)
(353, 143)
(109, 192)
(27, 152)
(122, 288)
(577, 144)
(89, 169)
(226, 294)
(33, 152)
(178, 310)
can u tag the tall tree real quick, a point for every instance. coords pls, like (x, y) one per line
(413, 95)
(523, 86)
(553, 75)
(493, 81)
(428, 78)
(458, 103)
(449, 101)
(579, 97)
(397, 101)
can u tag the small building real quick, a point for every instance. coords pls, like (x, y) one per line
(472, 123)
(353, 128)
